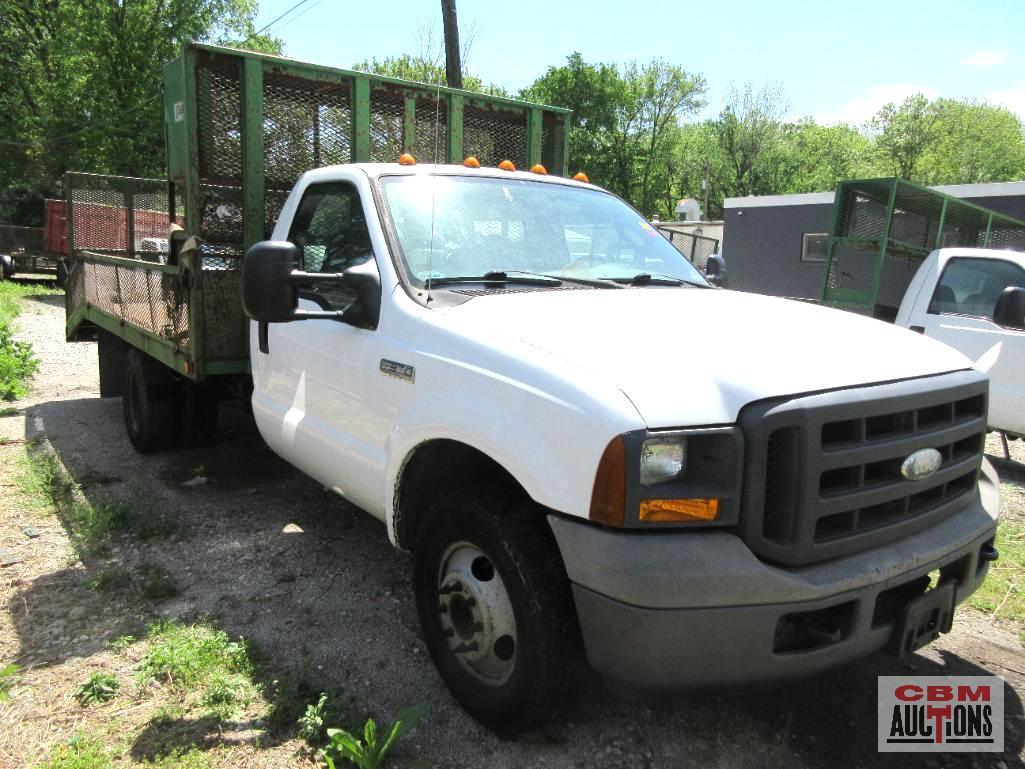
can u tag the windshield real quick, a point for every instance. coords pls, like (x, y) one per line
(484, 225)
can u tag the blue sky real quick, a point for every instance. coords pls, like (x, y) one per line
(835, 62)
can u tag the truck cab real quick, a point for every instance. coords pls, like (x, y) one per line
(954, 298)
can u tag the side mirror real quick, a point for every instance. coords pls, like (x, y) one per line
(269, 294)
(715, 270)
(1010, 308)
(270, 287)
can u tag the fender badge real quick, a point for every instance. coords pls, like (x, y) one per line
(921, 464)
(398, 370)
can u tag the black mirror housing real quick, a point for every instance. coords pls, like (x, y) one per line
(365, 280)
(269, 294)
(1009, 310)
(715, 270)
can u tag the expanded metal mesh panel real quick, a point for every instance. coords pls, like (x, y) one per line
(127, 218)
(1007, 237)
(306, 124)
(852, 268)
(120, 216)
(219, 107)
(493, 135)
(861, 216)
(432, 131)
(387, 116)
(21, 241)
(548, 137)
(697, 248)
(144, 297)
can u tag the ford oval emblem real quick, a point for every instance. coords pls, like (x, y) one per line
(921, 464)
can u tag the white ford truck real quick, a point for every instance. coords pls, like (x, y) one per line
(585, 445)
(973, 299)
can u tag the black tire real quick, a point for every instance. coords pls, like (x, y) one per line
(517, 543)
(62, 273)
(6, 267)
(149, 403)
(200, 404)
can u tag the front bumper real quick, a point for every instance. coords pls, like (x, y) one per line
(670, 610)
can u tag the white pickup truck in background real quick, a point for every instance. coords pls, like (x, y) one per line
(973, 299)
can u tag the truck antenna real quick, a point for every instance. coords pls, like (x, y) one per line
(434, 181)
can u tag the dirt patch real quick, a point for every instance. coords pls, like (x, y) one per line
(263, 552)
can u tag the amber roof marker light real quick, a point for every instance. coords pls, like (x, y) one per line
(580, 176)
(537, 168)
(507, 165)
(405, 159)
(471, 162)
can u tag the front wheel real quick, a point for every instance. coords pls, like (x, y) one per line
(495, 607)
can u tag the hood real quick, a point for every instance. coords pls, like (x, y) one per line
(689, 356)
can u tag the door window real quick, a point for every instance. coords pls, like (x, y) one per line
(330, 231)
(972, 286)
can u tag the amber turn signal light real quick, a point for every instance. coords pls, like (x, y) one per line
(608, 497)
(507, 165)
(405, 159)
(679, 510)
(471, 162)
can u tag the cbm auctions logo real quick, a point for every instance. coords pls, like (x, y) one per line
(941, 714)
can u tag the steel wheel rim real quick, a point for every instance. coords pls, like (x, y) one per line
(476, 614)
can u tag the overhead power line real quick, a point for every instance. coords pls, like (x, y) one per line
(265, 27)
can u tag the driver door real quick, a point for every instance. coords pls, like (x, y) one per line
(312, 378)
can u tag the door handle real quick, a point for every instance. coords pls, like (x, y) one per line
(918, 329)
(263, 334)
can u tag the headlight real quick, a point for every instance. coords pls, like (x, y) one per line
(662, 459)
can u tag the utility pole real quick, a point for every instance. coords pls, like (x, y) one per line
(453, 69)
(704, 187)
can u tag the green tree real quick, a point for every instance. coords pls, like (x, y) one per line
(423, 70)
(596, 93)
(749, 131)
(974, 142)
(903, 134)
(82, 82)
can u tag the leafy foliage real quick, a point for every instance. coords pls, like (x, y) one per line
(370, 752)
(100, 687)
(311, 723)
(17, 362)
(8, 678)
(82, 85)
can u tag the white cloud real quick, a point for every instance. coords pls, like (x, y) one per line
(986, 58)
(859, 109)
(1012, 98)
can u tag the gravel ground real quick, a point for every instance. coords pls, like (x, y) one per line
(265, 553)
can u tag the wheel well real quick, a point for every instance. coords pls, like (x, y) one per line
(434, 468)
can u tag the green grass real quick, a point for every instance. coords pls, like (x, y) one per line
(8, 678)
(99, 687)
(194, 758)
(112, 580)
(81, 752)
(1003, 593)
(90, 523)
(198, 659)
(155, 582)
(17, 363)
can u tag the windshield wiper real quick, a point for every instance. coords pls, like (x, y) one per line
(596, 282)
(498, 277)
(655, 279)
